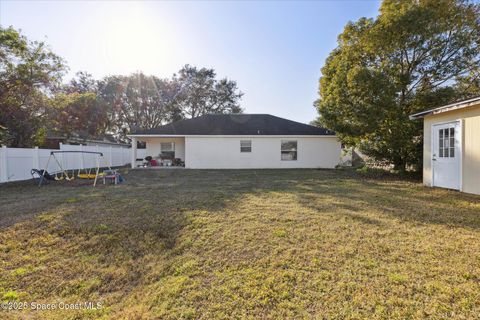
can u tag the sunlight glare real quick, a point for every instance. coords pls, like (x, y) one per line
(134, 39)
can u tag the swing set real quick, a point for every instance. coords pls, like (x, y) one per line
(83, 173)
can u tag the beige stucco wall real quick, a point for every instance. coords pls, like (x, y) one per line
(470, 118)
(153, 146)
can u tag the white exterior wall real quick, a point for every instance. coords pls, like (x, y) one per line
(224, 152)
(153, 146)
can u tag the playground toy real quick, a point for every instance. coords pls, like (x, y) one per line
(63, 173)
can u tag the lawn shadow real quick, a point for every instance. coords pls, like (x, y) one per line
(400, 199)
(23, 200)
(163, 196)
(130, 236)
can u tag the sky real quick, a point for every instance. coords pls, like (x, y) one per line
(274, 50)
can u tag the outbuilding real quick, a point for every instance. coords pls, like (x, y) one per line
(451, 146)
(240, 141)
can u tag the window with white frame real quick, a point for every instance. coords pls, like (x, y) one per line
(446, 143)
(289, 150)
(167, 150)
(245, 145)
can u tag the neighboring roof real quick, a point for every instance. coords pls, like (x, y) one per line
(105, 140)
(236, 124)
(448, 107)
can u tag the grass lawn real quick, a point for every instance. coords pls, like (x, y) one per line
(273, 244)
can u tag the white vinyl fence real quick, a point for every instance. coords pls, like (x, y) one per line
(16, 163)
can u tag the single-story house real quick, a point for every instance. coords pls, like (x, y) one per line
(240, 141)
(451, 146)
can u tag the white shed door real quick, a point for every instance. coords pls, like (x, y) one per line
(446, 155)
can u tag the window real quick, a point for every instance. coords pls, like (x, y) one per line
(289, 150)
(167, 150)
(446, 143)
(245, 145)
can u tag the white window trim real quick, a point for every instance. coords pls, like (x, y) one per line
(281, 150)
(172, 144)
(249, 146)
(447, 132)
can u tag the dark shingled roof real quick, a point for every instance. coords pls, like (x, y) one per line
(237, 124)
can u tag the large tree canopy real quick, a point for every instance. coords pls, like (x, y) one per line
(29, 73)
(34, 102)
(139, 101)
(198, 92)
(135, 101)
(76, 110)
(76, 114)
(413, 56)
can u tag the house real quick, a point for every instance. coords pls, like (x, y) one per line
(451, 147)
(106, 140)
(240, 141)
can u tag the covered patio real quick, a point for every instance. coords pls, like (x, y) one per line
(165, 152)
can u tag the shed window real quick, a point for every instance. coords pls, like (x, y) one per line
(289, 150)
(245, 145)
(446, 143)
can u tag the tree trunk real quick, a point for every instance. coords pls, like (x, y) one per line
(400, 165)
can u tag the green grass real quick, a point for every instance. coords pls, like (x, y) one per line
(263, 244)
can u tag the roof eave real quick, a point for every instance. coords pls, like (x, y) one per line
(448, 107)
(159, 135)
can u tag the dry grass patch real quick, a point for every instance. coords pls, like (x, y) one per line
(186, 244)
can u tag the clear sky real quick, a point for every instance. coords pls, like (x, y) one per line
(274, 50)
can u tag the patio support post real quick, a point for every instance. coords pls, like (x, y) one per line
(134, 152)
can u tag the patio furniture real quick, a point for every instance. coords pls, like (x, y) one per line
(111, 175)
(147, 161)
(177, 162)
(139, 162)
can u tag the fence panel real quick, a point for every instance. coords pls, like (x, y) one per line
(17, 159)
(16, 163)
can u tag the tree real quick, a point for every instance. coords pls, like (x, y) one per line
(29, 73)
(135, 102)
(410, 58)
(469, 85)
(33, 100)
(82, 83)
(4, 136)
(78, 114)
(77, 110)
(198, 92)
(143, 102)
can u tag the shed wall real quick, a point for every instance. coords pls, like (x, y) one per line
(470, 118)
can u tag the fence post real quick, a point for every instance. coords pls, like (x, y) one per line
(3, 165)
(64, 163)
(36, 158)
(82, 163)
(97, 149)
